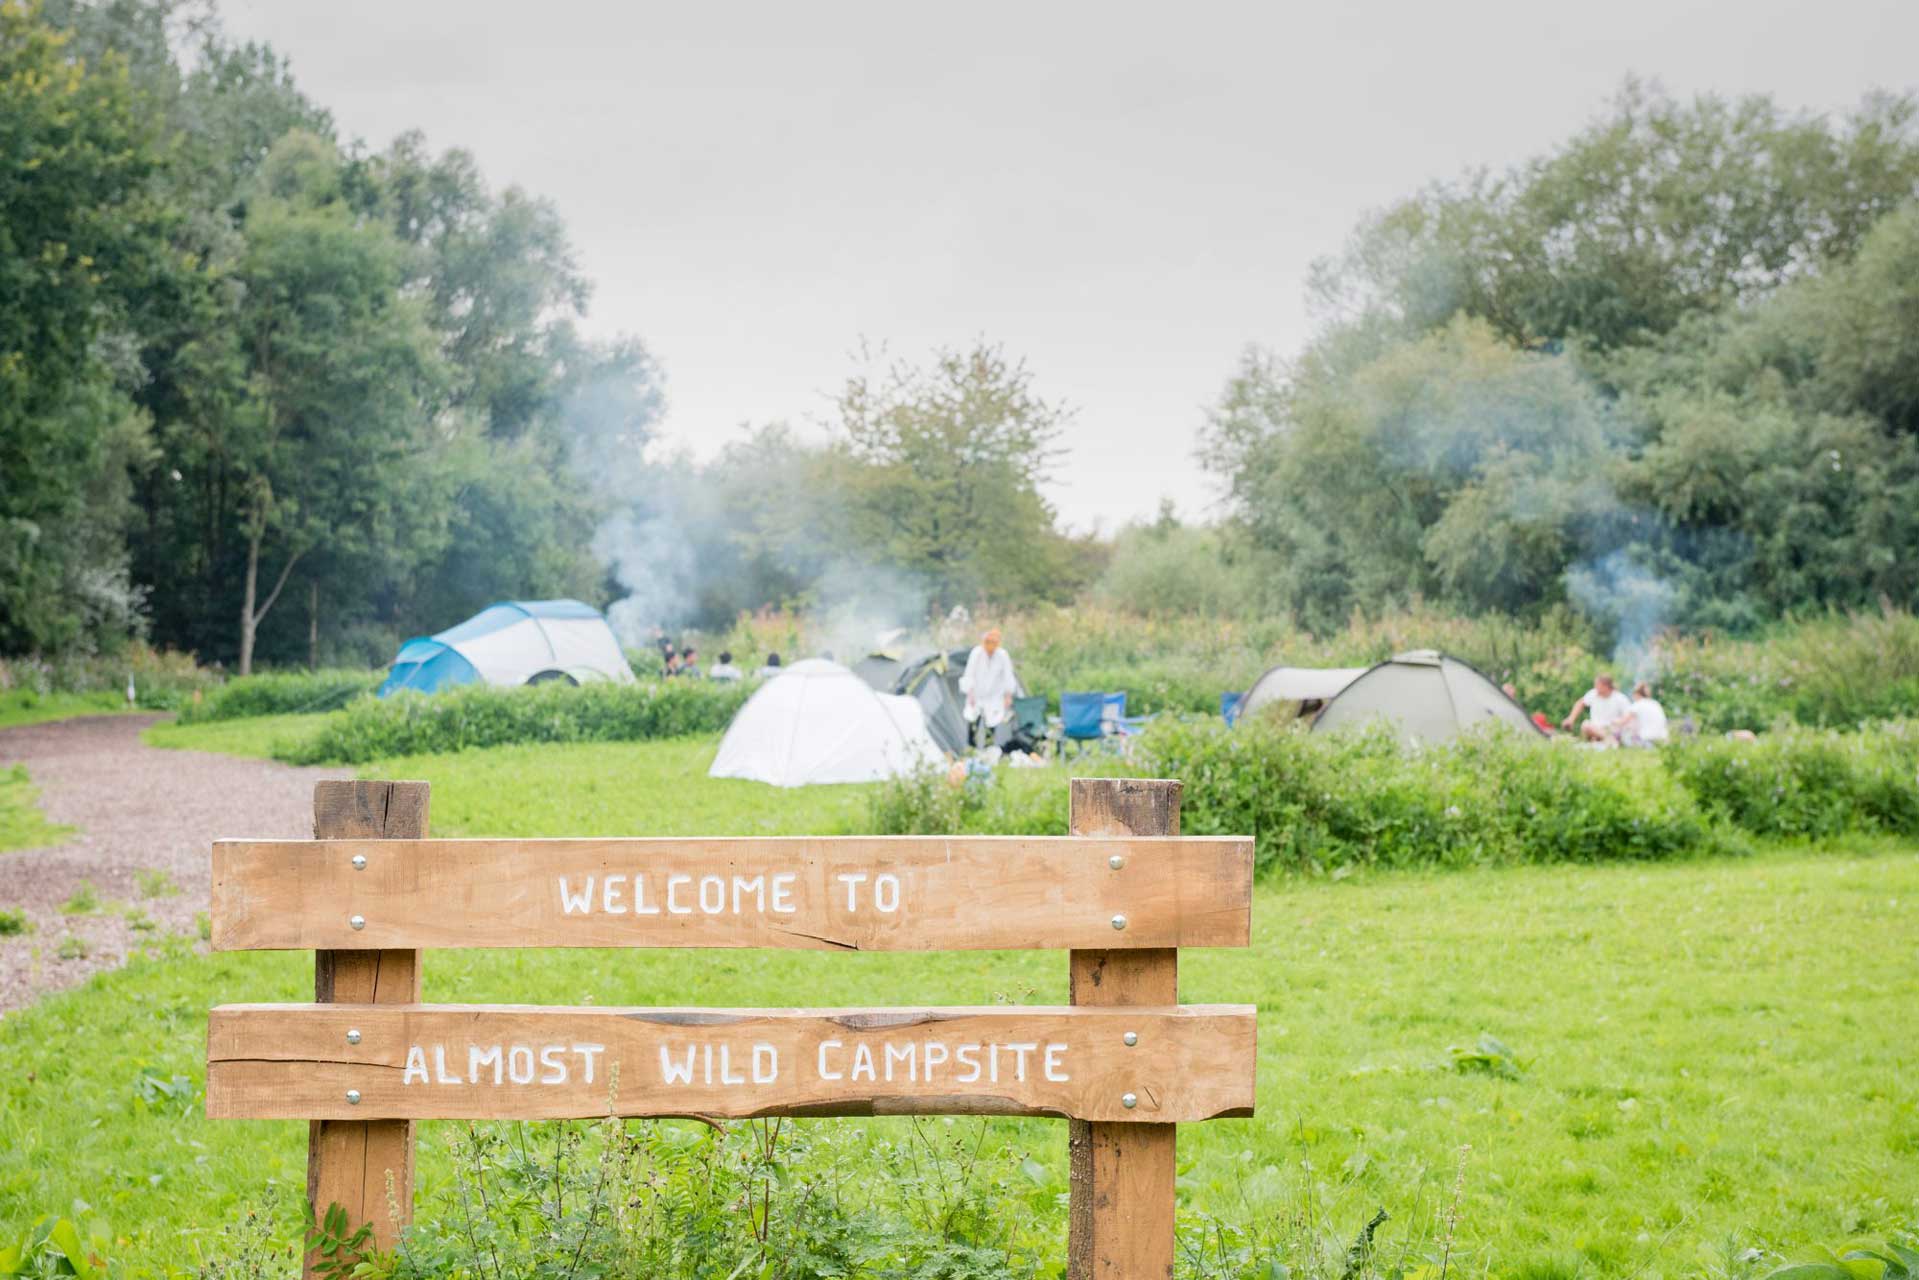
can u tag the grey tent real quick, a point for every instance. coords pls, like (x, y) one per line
(881, 671)
(934, 679)
(1310, 687)
(1427, 697)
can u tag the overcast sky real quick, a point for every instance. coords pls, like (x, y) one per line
(1124, 195)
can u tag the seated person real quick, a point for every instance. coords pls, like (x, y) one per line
(1605, 706)
(724, 668)
(1646, 726)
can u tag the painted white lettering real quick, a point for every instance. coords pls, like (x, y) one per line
(610, 896)
(677, 1072)
(415, 1061)
(552, 1067)
(904, 1054)
(1055, 1069)
(570, 904)
(766, 1063)
(672, 898)
(992, 1059)
(932, 1056)
(708, 1055)
(886, 893)
(519, 1064)
(863, 1061)
(1019, 1063)
(587, 1052)
(852, 881)
(715, 902)
(824, 1073)
(967, 1055)
(783, 892)
(727, 1074)
(640, 905)
(440, 1074)
(755, 886)
(477, 1057)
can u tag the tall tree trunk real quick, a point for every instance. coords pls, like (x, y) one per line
(249, 616)
(313, 625)
(248, 621)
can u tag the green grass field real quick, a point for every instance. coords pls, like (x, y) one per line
(22, 824)
(1705, 1057)
(24, 706)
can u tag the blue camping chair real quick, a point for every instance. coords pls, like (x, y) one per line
(1118, 723)
(1229, 707)
(1082, 717)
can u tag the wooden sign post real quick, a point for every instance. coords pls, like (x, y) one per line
(1125, 1062)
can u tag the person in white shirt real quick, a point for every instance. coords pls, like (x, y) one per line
(1646, 726)
(1605, 707)
(724, 669)
(989, 683)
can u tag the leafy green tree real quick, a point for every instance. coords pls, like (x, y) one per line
(1658, 210)
(941, 476)
(339, 374)
(75, 154)
(1452, 468)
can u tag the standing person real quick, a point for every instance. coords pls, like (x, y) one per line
(724, 669)
(1605, 707)
(989, 683)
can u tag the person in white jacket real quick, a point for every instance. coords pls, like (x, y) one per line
(989, 683)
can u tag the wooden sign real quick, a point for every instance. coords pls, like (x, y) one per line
(857, 893)
(1165, 1064)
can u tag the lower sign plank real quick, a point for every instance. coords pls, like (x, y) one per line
(456, 1062)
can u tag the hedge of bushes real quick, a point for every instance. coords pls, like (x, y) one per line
(282, 693)
(1319, 803)
(482, 716)
(1806, 783)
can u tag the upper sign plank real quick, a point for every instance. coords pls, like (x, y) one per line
(863, 893)
(353, 1062)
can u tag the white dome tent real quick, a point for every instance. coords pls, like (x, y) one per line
(817, 722)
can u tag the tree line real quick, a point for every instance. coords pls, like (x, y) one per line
(1667, 372)
(268, 395)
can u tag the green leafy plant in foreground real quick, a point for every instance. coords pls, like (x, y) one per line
(54, 1246)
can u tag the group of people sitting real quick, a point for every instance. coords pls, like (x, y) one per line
(1612, 718)
(686, 663)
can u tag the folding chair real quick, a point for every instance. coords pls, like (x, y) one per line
(1082, 718)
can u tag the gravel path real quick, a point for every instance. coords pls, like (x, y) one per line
(137, 808)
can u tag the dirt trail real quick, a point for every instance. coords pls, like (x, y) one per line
(137, 808)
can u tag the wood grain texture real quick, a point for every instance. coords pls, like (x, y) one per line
(528, 1062)
(352, 1162)
(1120, 1223)
(884, 893)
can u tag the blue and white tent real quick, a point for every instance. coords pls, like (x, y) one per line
(515, 642)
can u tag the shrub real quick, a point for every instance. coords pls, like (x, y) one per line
(1805, 782)
(481, 716)
(1835, 671)
(1325, 802)
(281, 693)
(928, 802)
